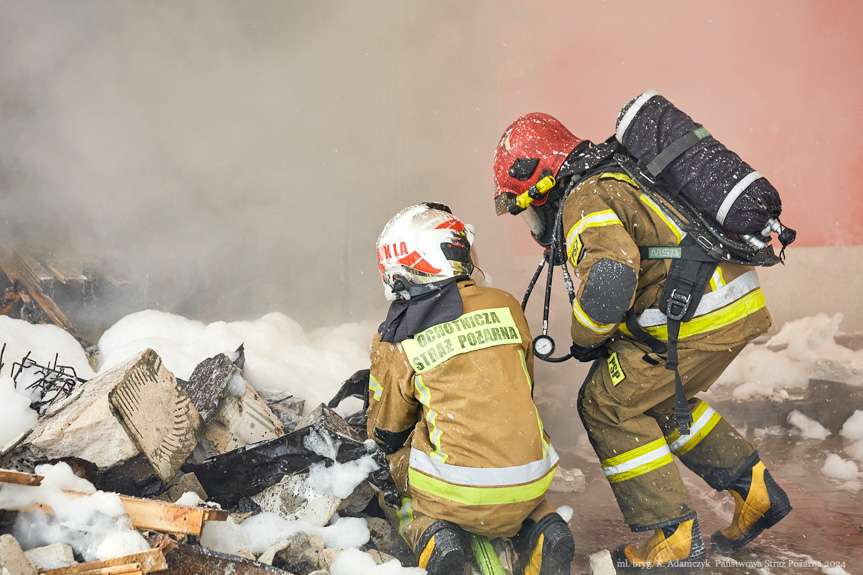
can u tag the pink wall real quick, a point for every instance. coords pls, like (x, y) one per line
(780, 83)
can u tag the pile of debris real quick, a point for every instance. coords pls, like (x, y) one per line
(189, 461)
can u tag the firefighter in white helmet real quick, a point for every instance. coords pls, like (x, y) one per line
(450, 402)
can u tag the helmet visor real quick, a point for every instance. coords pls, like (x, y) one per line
(502, 201)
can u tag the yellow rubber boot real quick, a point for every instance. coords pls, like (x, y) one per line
(758, 505)
(678, 547)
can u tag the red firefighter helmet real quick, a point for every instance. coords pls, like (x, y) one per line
(529, 146)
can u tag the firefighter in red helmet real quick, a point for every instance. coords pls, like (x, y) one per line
(450, 402)
(627, 402)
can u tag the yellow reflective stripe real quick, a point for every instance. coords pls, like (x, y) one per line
(618, 176)
(481, 495)
(524, 367)
(747, 305)
(705, 419)
(375, 387)
(405, 514)
(641, 469)
(717, 280)
(584, 319)
(538, 420)
(431, 417)
(471, 331)
(637, 461)
(603, 218)
(678, 233)
(633, 453)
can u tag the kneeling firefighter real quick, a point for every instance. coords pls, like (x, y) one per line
(608, 222)
(450, 402)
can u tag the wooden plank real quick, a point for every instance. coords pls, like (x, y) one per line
(146, 514)
(14, 269)
(169, 517)
(130, 569)
(33, 266)
(145, 562)
(19, 478)
(66, 269)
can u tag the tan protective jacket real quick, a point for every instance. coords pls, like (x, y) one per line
(606, 218)
(478, 454)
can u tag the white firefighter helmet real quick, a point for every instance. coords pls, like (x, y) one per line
(422, 245)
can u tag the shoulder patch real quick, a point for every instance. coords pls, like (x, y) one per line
(619, 177)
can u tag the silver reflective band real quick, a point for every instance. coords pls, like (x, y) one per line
(697, 426)
(738, 189)
(729, 293)
(484, 477)
(631, 112)
(648, 457)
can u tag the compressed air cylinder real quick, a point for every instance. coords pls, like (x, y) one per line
(694, 164)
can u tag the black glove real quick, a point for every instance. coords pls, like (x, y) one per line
(588, 353)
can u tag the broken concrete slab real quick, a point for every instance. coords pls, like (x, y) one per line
(294, 499)
(157, 413)
(185, 483)
(387, 540)
(210, 381)
(242, 420)
(358, 499)
(83, 426)
(51, 556)
(568, 481)
(12, 558)
(601, 563)
(300, 554)
(289, 411)
(326, 418)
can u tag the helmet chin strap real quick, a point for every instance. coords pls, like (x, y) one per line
(405, 290)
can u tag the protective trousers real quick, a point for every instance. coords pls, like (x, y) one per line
(410, 524)
(627, 407)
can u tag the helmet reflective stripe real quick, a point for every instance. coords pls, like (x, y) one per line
(421, 245)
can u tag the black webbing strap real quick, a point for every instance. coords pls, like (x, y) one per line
(672, 152)
(642, 336)
(687, 280)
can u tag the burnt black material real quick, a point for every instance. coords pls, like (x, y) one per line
(251, 469)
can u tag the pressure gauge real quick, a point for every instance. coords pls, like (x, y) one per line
(543, 346)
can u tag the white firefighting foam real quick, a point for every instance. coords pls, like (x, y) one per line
(281, 358)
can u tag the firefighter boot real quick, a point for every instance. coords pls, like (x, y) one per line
(677, 547)
(758, 505)
(545, 547)
(441, 549)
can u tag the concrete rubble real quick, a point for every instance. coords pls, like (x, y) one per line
(189, 462)
(138, 433)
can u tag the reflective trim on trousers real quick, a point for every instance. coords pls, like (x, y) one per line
(375, 386)
(484, 477)
(704, 419)
(468, 495)
(637, 461)
(405, 514)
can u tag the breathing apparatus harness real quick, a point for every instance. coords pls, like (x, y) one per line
(694, 260)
